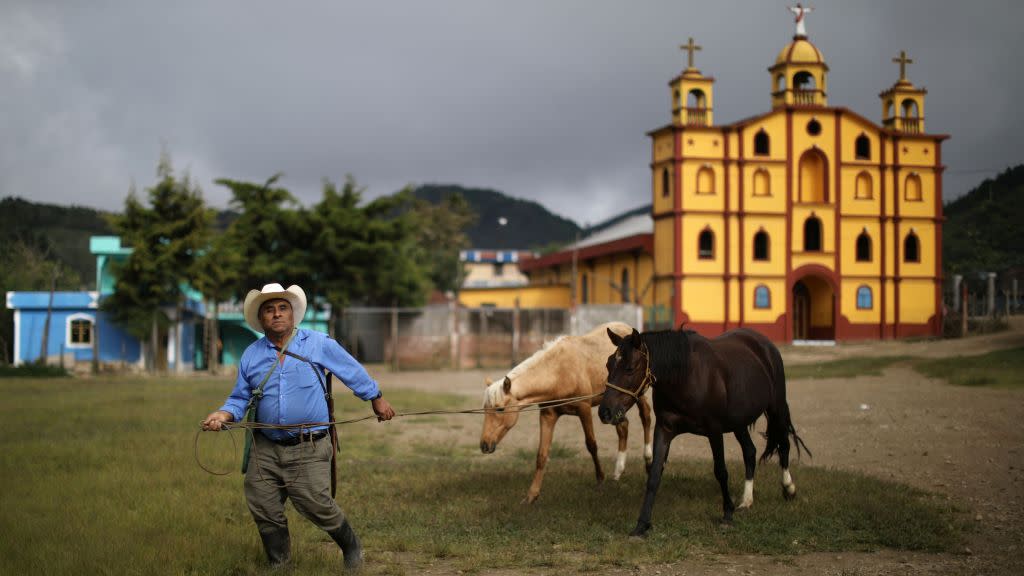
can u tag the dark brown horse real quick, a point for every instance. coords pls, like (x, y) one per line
(705, 387)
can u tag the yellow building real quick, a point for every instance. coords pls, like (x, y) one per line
(809, 221)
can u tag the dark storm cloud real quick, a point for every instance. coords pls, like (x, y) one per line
(542, 100)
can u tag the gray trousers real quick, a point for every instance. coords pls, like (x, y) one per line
(302, 473)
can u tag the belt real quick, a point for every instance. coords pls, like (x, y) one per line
(301, 437)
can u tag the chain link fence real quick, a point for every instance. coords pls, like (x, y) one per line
(447, 336)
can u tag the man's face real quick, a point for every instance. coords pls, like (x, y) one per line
(276, 316)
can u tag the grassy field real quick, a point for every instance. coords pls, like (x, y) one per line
(99, 478)
(999, 369)
(845, 368)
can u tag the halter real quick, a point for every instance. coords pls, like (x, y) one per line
(648, 380)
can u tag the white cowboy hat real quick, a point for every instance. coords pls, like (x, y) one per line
(255, 298)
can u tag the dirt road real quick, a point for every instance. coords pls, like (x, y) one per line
(966, 443)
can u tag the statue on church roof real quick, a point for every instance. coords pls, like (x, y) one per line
(800, 12)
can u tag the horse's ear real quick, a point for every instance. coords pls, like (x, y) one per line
(507, 385)
(635, 334)
(487, 381)
(615, 338)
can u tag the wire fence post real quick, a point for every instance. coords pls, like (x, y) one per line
(453, 335)
(965, 312)
(515, 333)
(394, 339)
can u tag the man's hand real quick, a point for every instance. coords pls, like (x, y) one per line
(215, 421)
(382, 408)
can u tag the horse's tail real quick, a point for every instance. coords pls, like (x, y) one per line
(780, 424)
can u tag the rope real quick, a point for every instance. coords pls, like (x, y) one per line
(250, 427)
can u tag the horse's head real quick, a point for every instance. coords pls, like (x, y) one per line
(500, 415)
(629, 376)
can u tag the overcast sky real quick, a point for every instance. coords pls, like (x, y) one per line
(548, 100)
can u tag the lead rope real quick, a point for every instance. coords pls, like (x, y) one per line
(251, 427)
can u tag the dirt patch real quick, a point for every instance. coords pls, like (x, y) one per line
(964, 443)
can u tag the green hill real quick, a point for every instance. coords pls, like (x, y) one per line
(61, 231)
(983, 231)
(528, 225)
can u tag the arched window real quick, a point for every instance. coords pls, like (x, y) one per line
(762, 183)
(864, 247)
(79, 331)
(909, 108)
(625, 285)
(813, 177)
(761, 144)
(664, 183)
(911, 248)
(705, 180)
(803, 81)
(762, 297)
(865, 187)
(863, 148)
(889, 109)
(706, 245)
(780, 82)
(676, 101)
(912, 188)
(585, 289)
(864, 298)
(696, 99)
(812, 234)
(761, 246)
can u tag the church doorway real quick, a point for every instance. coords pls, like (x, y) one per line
(813, 309)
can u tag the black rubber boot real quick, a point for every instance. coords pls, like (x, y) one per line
(277, 545)
(347, 540)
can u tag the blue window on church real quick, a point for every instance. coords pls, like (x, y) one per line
(864, 298)
(762, 297)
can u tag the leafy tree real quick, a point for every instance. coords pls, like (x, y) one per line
(441, 233)
(261, 233)
(365, 254)
(28, 267)
(215, 274)
(166, 237)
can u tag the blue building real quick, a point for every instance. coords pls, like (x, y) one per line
(78, 329)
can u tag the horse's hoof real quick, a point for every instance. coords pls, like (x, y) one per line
(640, 531)
(789, 492)
(528, 500)
(726, 521)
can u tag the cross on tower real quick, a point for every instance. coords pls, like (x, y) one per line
(903, 61)
(691, 48)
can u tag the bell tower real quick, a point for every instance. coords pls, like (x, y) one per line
(903, 103)
(692, 94)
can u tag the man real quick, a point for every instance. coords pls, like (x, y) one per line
(292, 463)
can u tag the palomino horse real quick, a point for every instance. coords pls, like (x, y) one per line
(705, 387)
(569, 367)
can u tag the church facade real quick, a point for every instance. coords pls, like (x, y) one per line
(806, 222)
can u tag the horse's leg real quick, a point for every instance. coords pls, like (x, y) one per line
(587, 419)
(548, 417)
(749, 463)
(645, 419)
(721, 474)
(788, 487)
(662, 441)
(622, 429)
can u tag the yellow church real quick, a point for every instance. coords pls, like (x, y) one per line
(806, 222)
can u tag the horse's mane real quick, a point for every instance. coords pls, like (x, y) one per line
(669, 352)
(529, 362)
(495, 392)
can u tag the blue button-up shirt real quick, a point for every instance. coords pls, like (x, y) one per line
(293, 394)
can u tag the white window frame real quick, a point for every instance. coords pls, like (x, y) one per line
(67, 331)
